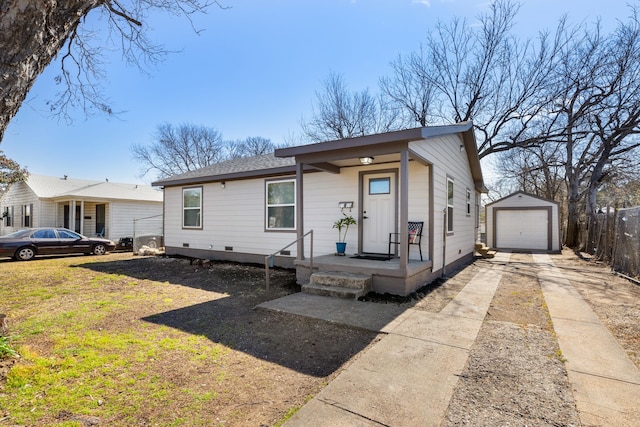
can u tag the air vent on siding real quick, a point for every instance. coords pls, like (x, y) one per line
(228, 248)
(185, 245)
(285, 252)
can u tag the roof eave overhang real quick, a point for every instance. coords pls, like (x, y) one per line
(96, 199)
(355, 145)
(261, 173)
(471, 148)
(386, 143)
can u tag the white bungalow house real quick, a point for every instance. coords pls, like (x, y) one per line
(247, 208)
(87, 207)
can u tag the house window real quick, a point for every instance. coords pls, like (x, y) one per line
(7, 214)
(26, 215)
(380, 186)
(468, 202)
(449, 205)
(192, 207)
(281, 205)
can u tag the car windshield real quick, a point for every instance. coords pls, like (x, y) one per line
(19, 234)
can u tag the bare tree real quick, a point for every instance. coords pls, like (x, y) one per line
(477, 72)
(34, 32)
(538, 170)
(252, 146)
(411, 88)
(340, 114)
(184, 148)
(181, 149)
(576, 89)
(595, 112)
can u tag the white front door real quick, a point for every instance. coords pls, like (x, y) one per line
(378, 211)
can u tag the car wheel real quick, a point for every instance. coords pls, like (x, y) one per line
(152, 244)
(25, 253)
(99, 249)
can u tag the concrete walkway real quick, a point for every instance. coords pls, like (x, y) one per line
(409, 376)
(605, 382)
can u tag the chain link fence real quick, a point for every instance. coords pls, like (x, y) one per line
(147, 235)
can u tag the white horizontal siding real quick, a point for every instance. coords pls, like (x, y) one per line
(419, 205)
(45, 214)
(449, 160)
(235, 215)
(323, 191)
(18, 195)
(121, 215)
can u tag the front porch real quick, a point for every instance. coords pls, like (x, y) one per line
(85, 217)
(386, 275)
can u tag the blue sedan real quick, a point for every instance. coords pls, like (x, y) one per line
(25, 244)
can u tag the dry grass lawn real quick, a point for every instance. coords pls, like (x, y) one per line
(141, 341)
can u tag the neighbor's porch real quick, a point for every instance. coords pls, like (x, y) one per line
(88, 218)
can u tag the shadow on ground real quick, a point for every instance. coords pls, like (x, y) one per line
(309, 346)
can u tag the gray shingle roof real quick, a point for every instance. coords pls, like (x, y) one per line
(50, 187)
(262, 165)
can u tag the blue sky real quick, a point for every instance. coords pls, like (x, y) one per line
(253, 71)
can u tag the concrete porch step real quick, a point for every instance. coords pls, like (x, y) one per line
(334, 291)
(341, 279)
(485, 251)
(338, 284)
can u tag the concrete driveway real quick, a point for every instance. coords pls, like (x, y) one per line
(409, 376)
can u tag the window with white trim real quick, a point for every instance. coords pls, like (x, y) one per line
(192, 207)
(468, 202)
(26, 215)
(281, 205)
(450, 194)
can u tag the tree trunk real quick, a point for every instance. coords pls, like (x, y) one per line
(32, 32)
(571, 239)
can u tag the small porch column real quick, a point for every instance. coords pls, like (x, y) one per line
(81, 217)
(300, 209)
(72, 215)
(404, 209)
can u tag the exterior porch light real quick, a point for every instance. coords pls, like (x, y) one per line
(366, 160)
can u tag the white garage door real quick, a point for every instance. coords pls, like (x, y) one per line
(522, 229)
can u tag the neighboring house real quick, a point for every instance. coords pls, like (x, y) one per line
(247, 208)
(88, 207)
(523, 221)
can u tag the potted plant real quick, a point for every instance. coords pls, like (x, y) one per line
(343, 222)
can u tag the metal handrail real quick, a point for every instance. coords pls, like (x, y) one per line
(269, 258)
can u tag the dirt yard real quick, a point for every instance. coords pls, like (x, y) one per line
(253, 367)
(220, 362)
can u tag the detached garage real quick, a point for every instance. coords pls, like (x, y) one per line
(524, 222)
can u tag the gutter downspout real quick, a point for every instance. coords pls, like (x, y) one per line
(444, 243)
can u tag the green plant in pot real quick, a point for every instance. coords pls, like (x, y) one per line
(343, 223)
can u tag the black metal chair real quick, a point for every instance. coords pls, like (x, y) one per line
(415, 237)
